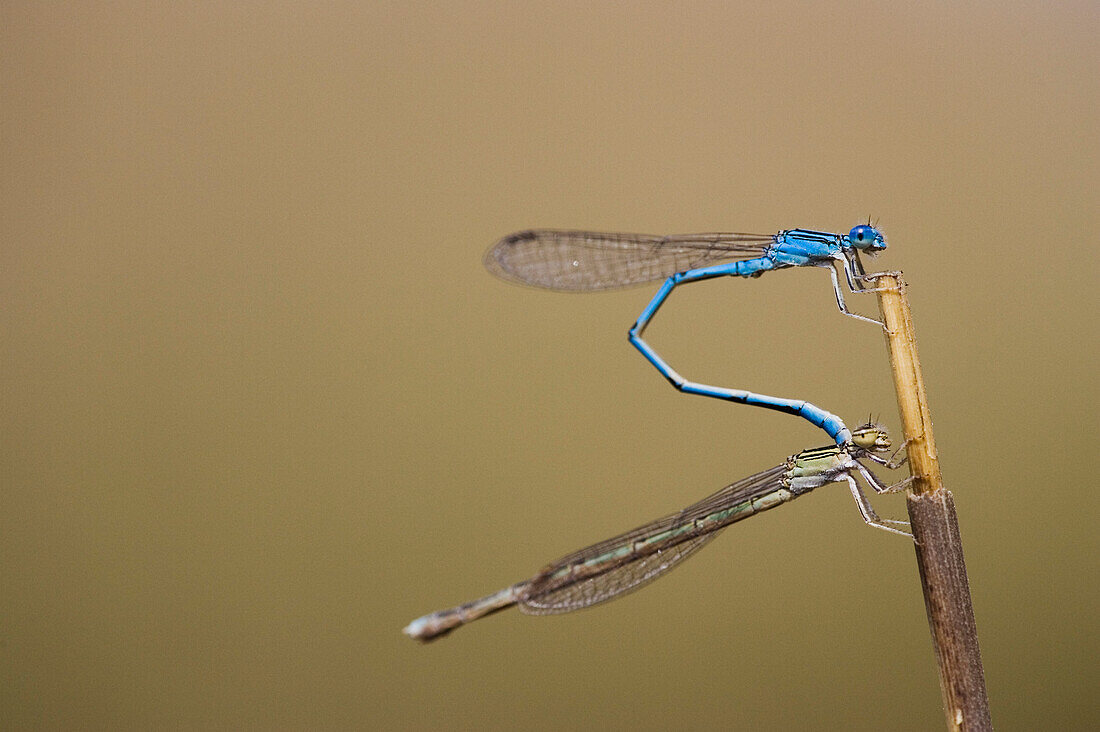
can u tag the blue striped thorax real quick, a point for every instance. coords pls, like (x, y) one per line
(800, 247)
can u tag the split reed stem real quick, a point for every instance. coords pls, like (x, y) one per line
(935, 526)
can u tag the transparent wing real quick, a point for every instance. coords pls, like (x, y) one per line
(626, 562)
(586, 260)
(613, 583)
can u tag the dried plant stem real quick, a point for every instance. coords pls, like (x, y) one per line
(935, 527)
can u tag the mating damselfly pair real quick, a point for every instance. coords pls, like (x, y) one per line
(581, 261)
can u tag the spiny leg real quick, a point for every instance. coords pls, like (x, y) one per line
(840, 295)
(871, 277)
(855, 262)
(868, 512)
(877, 485)
(892, 463)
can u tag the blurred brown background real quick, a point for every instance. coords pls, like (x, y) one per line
(262, 405)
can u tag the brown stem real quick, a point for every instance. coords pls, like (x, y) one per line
(935, 526)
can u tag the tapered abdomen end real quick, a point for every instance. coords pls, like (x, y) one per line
(433, 626)
(441, 623)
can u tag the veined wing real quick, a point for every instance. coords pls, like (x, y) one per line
(626, 562)
(586, 260)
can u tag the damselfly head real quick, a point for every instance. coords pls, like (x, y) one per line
(872, 437)
(867, 238)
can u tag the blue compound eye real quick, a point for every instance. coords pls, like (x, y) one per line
(867, 238)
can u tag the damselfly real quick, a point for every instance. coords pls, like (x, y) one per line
(579, 261)
(624, 563)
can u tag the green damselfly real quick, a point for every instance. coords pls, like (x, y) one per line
(626, 562)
